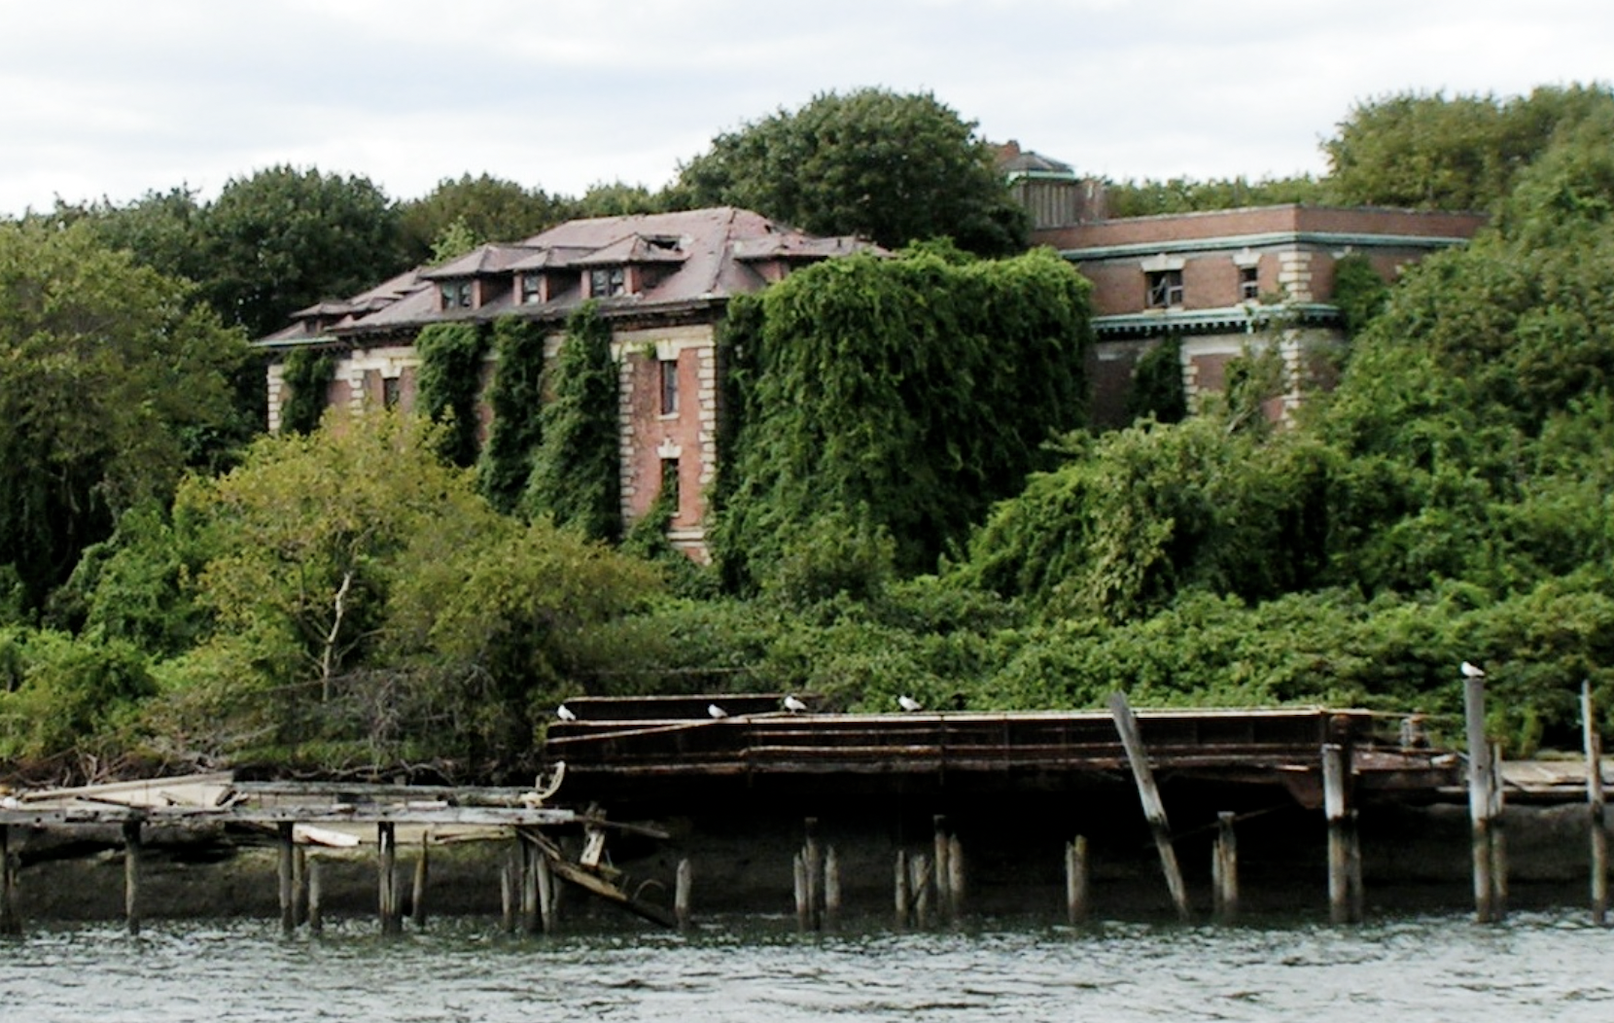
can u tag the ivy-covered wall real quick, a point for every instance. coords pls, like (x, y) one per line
(576, 476)
(516, 398)
(307, 375)
(450, 382)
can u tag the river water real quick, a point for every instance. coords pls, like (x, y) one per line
(1549, 965)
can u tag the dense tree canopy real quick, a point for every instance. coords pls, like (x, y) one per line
(891, 167)
(487, 208)
(111, 383)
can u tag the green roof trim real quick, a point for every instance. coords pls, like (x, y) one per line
(1232, 243)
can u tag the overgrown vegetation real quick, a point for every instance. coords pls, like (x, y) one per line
(306, 375)
(515, 398)
(450, 381)
(575, 476)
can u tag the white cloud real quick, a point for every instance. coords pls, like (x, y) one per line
(112, 98)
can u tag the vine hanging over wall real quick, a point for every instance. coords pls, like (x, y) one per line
(576, 476)
(516, 399)
(450, 379)
(909, 393)
(308, 374)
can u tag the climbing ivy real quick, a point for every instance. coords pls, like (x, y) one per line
(1359, 291)
(575, 477)
(908, 394)
(450, 379)
(516, 398)
(1157, 388)
(308, 374)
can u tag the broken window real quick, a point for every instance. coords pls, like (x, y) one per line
(1165, 288)
(669, 386)
(1249, 284)
(455, 294)
(532, 288)
(607, 281)
(669, 483)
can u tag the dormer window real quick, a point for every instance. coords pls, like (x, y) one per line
(607, 281)
(532, 289)
(455, 294)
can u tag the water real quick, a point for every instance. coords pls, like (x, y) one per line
(1537, 966)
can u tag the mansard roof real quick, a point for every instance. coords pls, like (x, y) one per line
(699, 256)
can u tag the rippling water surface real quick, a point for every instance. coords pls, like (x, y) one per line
(1543, 966)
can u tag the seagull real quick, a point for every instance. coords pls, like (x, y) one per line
(1472, 671)
(718, 713)
(908, 703)
(794, 705)
(565, 713)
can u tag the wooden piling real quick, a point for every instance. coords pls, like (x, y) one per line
(544, 878)
(1225, 868)
(1597, 825)
(286, 863)
(131, 874)
(531, 913)
(813, 862)
(955, 877)
(942, 882)
(832, 889)
(316, 911)
(1076, 886)
(417, 895)
(1153, 809)
(10, 918)
(681, 892)
(387, 878)
(804, 912)
(1354, 861)
(903, 896)
(919, 882)
(1480, 800)
(507, 889)
(299, 884)
(1339, 841)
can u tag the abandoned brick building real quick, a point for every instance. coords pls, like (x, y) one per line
(662, 281)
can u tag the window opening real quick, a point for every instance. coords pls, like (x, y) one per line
(669, 386)
(1165, 288)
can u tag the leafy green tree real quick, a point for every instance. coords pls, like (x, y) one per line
(891, 167)
(284, 238)
(576, 476)
(1185, 195)
(617, 199)
(485, 208)
(1157, 388)
(111, 383)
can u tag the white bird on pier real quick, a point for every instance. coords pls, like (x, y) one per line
(717, 713)
(794, 705)
(1472, 670)
(565, 713)
(908, 703)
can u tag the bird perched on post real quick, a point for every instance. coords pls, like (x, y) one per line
(1472, 670)
(794, 705)
(565, 713)
(908, 703)
(717, 713)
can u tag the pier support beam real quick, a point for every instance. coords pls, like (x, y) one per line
(943, 869)
(316, 908)
(286, 864)
(903, 896)
(1343, 882)
(919, 884)
(813, 861)
(1483, 803)
(682, 886)
(1225, 869)
(131, 874)
(387, 878)
(1153, 809)
(832, 889)
(417, 894)
(955, 877)
(1076, 883)
(1597, 826)
(804, 908)
(10, 918)
(544, 879)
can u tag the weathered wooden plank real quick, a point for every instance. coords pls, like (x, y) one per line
(1153, 809)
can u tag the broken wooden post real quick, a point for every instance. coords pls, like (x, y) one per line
(285, 863)
(903, 900)
(507, 889)
(682, 884)
(1595, 819)
(1225, 868)
(832, 889)
(1076, 887)
(417, 895)
(1358, 898)
(10, 918)
(1479, 798)
(545, 879)
(531, 918)
(1339, 841)
(1153, 809)
(1499, 837)
(387, 878)
(955, 877)
(316, 912)
(919, 882)
(131, 873)
(943, 872)
(804, 912)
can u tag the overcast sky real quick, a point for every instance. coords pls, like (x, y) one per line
(111, 98)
